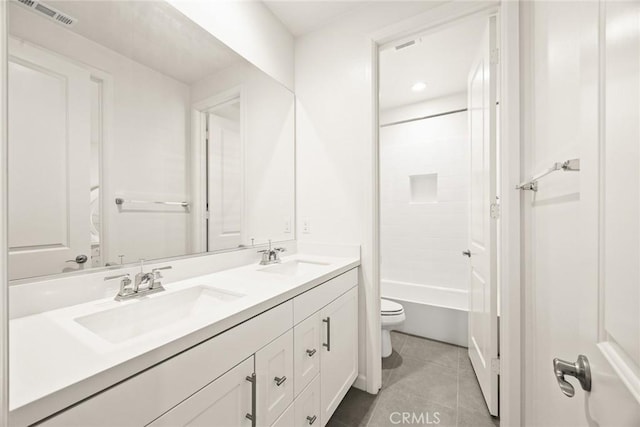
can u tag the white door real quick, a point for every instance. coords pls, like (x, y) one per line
(339, 353)
(49, 148)
(483, 302)
(224, 402)
(582, 229)
(224, 171)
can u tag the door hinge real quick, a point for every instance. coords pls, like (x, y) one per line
(495, 56)
(206, 215)
(495, 366)
(495, 210)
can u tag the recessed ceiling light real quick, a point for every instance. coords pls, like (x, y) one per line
(419, 86)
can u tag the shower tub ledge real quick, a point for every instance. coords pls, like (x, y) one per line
(432, 312)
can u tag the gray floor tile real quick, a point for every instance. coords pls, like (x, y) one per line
(420, 377)
(431, 351)
(397, 340)
(356, 408)
(392, 406)
(470, 396)
(464, 364)
(476, 419)
(334, 422)
(426, 381)
(389, 364)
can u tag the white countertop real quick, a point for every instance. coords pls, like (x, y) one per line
(55, 362)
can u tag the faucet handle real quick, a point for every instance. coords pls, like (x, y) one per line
(156, 271)
(280, 249)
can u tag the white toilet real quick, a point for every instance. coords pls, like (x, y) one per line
(392, 316)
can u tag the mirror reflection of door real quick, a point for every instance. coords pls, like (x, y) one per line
(49, 158)
(224, 176)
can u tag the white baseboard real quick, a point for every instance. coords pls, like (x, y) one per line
(361, 382)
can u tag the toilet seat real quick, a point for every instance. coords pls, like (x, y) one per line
(390, 308)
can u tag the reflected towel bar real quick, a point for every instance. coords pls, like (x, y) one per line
(120, 201)
(572, 165)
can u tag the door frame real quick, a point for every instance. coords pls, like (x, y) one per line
(199, 163)
(4, 244)
(509, 172)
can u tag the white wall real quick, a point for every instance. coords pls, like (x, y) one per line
(269, 164)
(334, 134)
(146, 154)
(421, 243)
(250, 29)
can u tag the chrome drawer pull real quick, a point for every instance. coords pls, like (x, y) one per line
(328, 343)
(312, 419)
(310, 353)
(252, 415)
(279, 381)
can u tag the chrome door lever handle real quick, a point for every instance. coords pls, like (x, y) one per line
(467, 253)
(580, 370)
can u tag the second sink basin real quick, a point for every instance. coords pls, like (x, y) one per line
(149, 314)
(295, 268)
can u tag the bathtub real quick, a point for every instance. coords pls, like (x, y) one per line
(432, 312)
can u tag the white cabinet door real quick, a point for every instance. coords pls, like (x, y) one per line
(307, 405)
(306, 358)
(339, 353)
(274, 372)
(224, 402)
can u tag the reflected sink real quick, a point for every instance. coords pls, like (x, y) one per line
(149, 314)
(295, 268)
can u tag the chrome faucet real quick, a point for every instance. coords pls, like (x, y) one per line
(271, 256)
(144, 284)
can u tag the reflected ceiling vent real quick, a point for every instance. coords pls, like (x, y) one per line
(48, 12)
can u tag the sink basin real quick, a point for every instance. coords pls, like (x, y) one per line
(147, 315)
(295, 268)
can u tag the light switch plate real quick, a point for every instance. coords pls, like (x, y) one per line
(306, 226)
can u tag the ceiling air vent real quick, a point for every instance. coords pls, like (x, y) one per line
(398, 47)
(48, 12)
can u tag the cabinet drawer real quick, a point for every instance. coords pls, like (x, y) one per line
(287, 419)
(224, 402)
(306, 347)
(274, 372)
(306, 304)
(307, 406)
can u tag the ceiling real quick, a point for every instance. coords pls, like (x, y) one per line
(301, 17)
(440, 59)
(152, 33)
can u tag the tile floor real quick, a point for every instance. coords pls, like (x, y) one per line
(423, 377)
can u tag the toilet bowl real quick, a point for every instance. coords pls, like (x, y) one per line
(392, 316)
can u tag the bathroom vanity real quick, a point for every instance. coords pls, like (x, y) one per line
(251, 346)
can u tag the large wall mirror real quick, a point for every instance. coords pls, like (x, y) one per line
(135, 134)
